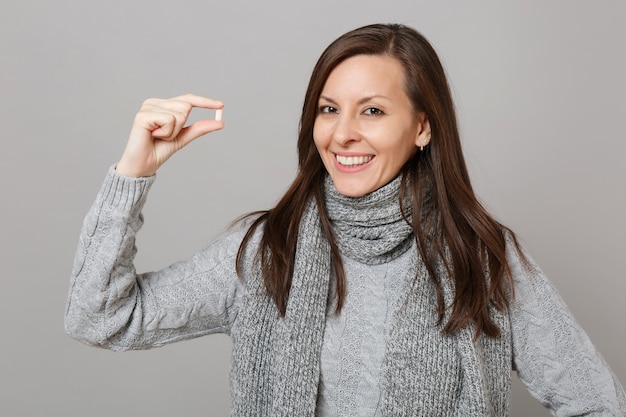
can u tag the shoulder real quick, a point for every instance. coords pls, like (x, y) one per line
(231, 238)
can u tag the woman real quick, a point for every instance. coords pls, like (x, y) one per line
(377, 286)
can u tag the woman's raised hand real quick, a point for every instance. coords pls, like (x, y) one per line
(159, 131)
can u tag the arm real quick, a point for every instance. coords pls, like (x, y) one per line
(112, 306)
(109, 304)
(553, 356)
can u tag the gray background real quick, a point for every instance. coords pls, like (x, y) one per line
(540, 91)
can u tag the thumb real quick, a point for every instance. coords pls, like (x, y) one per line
(200, 128)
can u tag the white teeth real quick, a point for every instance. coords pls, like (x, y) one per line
(353, 160)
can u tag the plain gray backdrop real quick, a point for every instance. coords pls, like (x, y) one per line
(539, 87)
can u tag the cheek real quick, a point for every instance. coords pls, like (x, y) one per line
(403, 150)
(320, 138)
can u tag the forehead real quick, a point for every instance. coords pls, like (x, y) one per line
(369, 72)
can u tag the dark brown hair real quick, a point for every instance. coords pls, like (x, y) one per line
(453, 227)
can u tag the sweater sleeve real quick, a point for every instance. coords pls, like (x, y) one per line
(553, 356)
(111, 306)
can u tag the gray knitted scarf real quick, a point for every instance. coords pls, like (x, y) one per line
(276, 361)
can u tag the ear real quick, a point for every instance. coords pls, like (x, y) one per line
(422, 137)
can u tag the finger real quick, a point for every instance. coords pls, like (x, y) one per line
(181, 104)
(171, 130)
(159, 124)
(199, 101)
(198, 129)
(167, 106)
(181, 108)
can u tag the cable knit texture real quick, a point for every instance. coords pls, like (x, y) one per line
(407, 369)
(553, 355)
(354, 341)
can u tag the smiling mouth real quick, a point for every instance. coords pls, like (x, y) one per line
(353, 161)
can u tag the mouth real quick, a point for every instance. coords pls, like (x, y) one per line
(353, 161)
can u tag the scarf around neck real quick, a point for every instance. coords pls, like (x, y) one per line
(276, 361)
(370, 229)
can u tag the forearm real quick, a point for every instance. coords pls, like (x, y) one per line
(104, 289)
(112, 306)
(553, 355)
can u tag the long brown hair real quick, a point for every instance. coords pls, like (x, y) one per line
(453, 227)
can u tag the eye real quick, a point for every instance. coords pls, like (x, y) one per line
(327, 109)
(374, 111)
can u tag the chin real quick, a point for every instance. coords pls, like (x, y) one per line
(352, 190)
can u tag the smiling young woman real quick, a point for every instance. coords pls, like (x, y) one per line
(397, 69)
(377, 286)
(367, 128)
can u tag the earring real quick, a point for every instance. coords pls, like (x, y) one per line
(425, 142)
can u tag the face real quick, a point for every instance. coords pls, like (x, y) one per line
(366, 128)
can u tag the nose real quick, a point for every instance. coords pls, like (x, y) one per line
(346, 130)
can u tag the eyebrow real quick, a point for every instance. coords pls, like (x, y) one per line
(361, 101)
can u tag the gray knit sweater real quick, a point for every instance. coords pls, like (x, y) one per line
(112, 306)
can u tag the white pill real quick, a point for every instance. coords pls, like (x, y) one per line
(218, 115)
